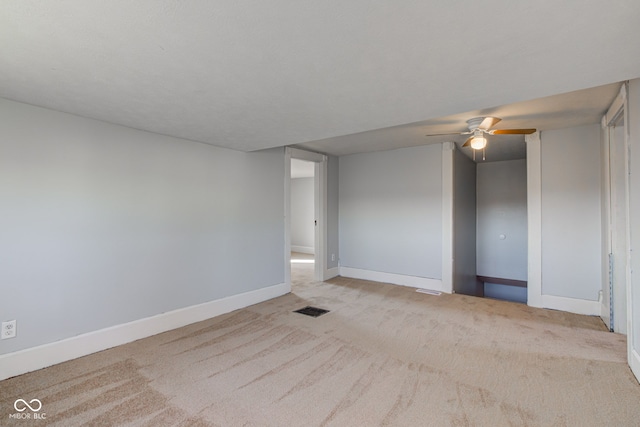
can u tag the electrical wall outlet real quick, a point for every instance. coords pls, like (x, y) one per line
(8, 329)
(333, 257)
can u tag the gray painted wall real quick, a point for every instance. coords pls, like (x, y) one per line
(391, 211)
(103, 225)
(333, 212)
(502, 210)
(571, 214)
(464, 211)
(302, 212)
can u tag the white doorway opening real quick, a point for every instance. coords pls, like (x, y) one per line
(303, 215)
(301, 161)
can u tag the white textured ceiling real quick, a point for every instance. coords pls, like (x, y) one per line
(254, 74)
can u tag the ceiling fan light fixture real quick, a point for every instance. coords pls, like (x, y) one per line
(479, 141)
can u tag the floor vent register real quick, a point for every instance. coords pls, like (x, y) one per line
(312, 311)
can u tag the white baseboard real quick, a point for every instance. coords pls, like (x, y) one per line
(303, 249)
(330, 273)
(634, 362)
(604, 313)
(572, 305)
(39, 357)
(396, 279)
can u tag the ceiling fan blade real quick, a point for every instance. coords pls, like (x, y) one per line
(444, 134)
(512, 131)
(488, 123)
(467, 142)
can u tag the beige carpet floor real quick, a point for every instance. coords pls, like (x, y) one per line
(384, 355)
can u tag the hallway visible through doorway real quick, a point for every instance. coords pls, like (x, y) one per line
(302, 268)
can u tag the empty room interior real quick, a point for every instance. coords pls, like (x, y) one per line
(221, 213)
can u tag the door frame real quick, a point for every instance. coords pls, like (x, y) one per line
(618, 108)
(534, 220)
(320, 208)
(633, 135)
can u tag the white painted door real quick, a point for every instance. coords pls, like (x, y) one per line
(633, 307)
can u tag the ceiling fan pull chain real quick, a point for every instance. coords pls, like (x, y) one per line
(483, 154)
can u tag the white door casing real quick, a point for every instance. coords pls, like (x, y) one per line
(616, 249)
(320, 206)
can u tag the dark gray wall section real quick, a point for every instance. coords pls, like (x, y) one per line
(464, 211)
(103, 225)
(502, 210)
(391, 211)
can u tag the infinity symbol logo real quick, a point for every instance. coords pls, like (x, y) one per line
(26, 405)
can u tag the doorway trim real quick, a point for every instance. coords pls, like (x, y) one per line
(534, 220)
(320, 207)
(448, 229)
(619, 108)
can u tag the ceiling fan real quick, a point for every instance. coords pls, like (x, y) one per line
(479, 126)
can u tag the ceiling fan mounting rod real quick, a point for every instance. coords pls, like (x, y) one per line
(474, 123)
